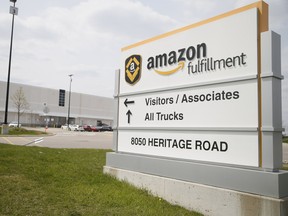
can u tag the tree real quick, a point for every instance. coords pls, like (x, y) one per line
(20, 103)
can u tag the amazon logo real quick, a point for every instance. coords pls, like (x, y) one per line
(177, 58)
(133, 69)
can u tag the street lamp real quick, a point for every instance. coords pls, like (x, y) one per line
(13, 11)
(68, 120)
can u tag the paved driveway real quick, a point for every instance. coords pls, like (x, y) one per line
(64, 139)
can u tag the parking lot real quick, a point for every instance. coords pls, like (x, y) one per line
(59, 138)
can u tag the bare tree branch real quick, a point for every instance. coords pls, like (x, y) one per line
(20, 103)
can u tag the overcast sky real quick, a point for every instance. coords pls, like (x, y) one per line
(55, 38)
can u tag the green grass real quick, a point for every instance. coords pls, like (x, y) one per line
(23, 131)
(43, 181)
(285, 139)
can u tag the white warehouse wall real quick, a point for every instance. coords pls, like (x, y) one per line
(44, 107)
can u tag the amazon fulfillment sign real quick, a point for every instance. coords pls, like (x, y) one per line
(194, 93)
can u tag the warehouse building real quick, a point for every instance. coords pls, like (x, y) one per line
(49, 107)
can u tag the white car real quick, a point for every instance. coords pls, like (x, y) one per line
(14, 124)
(76, 128)
(72, 127)
(64, 127)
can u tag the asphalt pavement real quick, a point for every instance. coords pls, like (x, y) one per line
(59, 138)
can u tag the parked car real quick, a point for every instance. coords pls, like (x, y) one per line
(87, 128)
(64, 127)
(94, 129)
(14, 124)
(76, 128)
(91, 128)
(72, 127)
(106, 128)
(80, 128)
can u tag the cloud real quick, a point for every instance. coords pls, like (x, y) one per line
(279, 16)
(196, 6)
(84, 39)
(126, 19)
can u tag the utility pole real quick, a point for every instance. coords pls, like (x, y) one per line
(13, 11)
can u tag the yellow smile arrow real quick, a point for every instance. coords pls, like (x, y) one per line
(179, 67)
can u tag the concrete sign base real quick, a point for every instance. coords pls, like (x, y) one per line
(206, 188)
(5, 129)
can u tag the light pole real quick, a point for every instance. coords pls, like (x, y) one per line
(68, 120)
(13, 11)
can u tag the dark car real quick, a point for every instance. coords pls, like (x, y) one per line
(106, 128)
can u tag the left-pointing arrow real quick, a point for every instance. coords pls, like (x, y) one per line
(129, 113)
(126, 102)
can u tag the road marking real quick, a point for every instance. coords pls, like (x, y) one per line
(35, 141)
(7, 140)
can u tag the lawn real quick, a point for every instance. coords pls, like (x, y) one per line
(22, 131)
(285, 139)
(43, 181)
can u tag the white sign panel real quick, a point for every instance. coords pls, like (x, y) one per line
(232, 148)
(222, 105)
(193, 93)
(219, 50)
